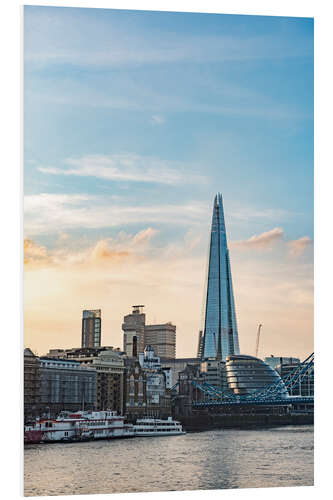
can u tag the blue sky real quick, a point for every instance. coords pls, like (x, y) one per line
(134, 120)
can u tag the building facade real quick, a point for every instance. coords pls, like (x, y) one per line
(220, 334)
(176, 365)
(214, 373)
(162, 338)
(138, 335)
(275, 361)
(91, 328)
(149, 360)
(110, 368)
(146, 392)
(66, 385)
(31, 385)
(249, 375)
(305, 386)
(134, 330)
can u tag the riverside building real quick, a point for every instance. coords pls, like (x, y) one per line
(31, 385)
(220, 334)
(66, 385)
(109, 366)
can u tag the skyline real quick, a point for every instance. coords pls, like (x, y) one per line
(200, 102)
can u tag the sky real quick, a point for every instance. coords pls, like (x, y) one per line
(133, 121)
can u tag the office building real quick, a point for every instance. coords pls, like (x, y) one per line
(138, 335)
(214, 373)
(66, 385)
(304, 386)
(109, 366)
(162, 338)
(249, 375)
(176, 365)
(134, 330)
(275, 361)
(91, 328)
(220, 328)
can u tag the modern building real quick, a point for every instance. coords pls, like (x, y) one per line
(66, 385)
(214, 373)
(91, 328)
(162, 338)
(305, 386)
(248, 375)
(220, 334)
(176, 365)
(275, 361)
(134, 331)
(137, 335)
(109, 366)
(31, 385)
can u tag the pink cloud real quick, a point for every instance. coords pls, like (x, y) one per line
(297, 247)
(262, 241)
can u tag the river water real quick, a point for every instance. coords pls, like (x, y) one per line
(214, 459)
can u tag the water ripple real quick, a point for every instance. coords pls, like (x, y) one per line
(207, 460)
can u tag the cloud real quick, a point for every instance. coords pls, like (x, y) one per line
(297, 247)
(107, 250)
(114, 273)
(102, 251)
(125, 167)
(262, 241)
(34, 254)
(47, 213)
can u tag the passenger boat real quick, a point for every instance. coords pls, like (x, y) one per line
(157, 427)
(79, 426)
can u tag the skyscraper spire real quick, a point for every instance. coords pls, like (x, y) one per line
(220, 337)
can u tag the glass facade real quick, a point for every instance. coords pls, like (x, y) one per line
(250, 375)
(220, 329)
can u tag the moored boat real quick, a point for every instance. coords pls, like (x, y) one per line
(158, 427)
(79, 426)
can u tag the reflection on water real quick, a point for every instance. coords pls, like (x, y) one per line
(208, 460)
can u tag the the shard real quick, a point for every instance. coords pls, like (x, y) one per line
(220, 335)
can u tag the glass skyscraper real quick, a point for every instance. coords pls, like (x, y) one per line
(220, 336)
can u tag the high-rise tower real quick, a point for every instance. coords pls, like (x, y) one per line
(220, 336)
(91, 328)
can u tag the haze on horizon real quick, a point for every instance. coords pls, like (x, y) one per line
(133, 121)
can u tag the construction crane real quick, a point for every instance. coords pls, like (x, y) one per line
(258, 337)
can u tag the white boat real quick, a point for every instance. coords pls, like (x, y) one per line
(79, 426)
(157, 427)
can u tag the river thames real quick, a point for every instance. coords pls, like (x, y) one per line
(214, 459)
